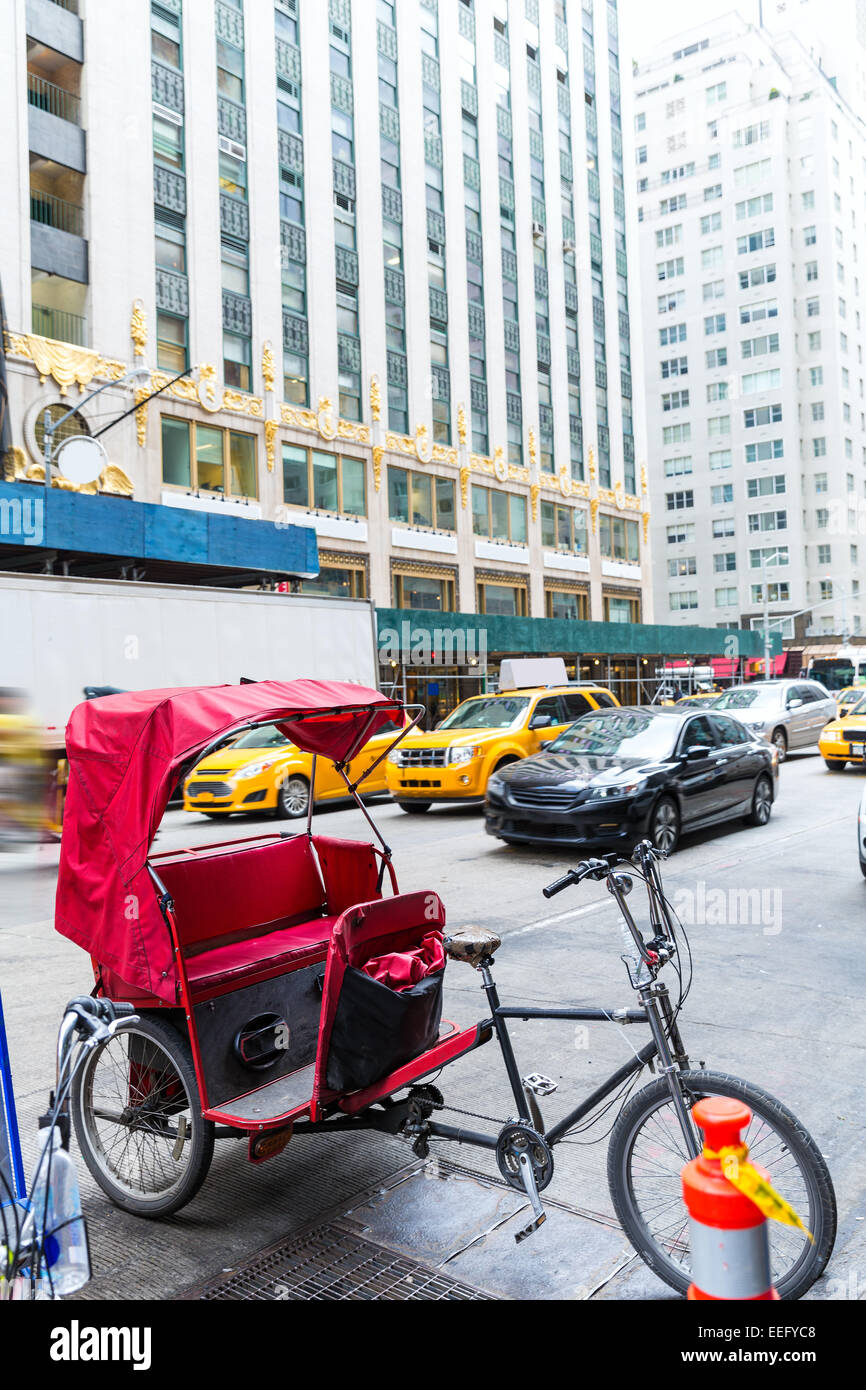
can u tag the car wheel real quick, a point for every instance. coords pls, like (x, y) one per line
(215, 815)
(664, 825)
(414, 808)
(780, 743)
(863, 867)
(762, 801)
(835, 764)
(293, 798)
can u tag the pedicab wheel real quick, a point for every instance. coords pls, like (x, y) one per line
(137, 1114)
(647, 1154)
(293, 798)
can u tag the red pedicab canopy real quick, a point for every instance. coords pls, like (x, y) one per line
(125, 753)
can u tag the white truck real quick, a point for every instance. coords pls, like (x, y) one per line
(59, 635)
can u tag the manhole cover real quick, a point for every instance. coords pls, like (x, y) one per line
(329, 1263)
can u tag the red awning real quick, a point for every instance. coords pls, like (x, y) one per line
(723, 666)
(125, 755)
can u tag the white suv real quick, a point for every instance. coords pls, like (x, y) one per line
(791, 714)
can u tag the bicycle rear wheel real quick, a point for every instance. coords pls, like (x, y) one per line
(647, 1153)
(137, 1115)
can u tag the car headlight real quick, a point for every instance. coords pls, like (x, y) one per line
(619, 790)
(832, 735)
(756, 724)
(462, 754)
(253, 770)
(396, 758)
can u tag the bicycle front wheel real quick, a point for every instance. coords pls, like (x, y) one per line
(648, 1151)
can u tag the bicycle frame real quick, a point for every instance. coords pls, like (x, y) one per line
(656, 1011)
(666, 1049)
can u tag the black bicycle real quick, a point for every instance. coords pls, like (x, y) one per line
(654, 1135)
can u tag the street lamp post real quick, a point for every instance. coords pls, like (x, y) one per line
(52, 426)
(766, 561)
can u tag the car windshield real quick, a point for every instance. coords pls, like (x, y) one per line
(497, 713)
(860, 707)
(629, 734)
(268, 736)
(745, 699)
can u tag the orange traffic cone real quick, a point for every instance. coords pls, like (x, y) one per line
(730, 1248)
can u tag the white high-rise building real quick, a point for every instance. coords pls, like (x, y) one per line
(751, 191)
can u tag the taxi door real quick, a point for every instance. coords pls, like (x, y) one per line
(547, 720)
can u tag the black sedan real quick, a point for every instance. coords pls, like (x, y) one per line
(618, 775)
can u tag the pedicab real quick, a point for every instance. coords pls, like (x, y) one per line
(281, 984)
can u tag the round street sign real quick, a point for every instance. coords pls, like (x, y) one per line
(81, 459)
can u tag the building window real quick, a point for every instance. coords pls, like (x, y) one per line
(171, 343)
(686, 598)
(424, 588)
(508, 600)
(618, 538)
(325, 482)
(566, 603)
(563, 528)
(501, 516)
(420, 499)
(203, 458)
(340, 576)
(619, 609)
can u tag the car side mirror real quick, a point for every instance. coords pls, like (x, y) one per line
(545, 743)
(541, 721)
(696, 751)
(795, 703)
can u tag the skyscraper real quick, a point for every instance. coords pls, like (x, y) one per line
(751, 181)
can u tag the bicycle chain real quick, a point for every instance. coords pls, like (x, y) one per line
(473, 1115)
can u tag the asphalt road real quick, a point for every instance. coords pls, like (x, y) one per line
(773, 916)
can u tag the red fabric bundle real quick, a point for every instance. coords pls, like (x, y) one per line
(401, 970)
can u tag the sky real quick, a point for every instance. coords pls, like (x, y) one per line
(644, 23)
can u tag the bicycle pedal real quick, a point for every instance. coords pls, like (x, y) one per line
(531, 1228)
(539, 1085)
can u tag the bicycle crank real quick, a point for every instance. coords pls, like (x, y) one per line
(525, 1160)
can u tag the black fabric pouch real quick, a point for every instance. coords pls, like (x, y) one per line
(377, 1029)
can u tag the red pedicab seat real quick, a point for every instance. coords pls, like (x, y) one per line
(256, 908)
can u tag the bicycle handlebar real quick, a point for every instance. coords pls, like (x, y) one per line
(587, 868)
(600, 868)
(93, 1013)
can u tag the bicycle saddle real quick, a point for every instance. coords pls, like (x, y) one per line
(474, 945)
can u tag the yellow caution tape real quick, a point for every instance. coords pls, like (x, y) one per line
(746, 1179)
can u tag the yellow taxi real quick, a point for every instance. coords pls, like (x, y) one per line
(843, 740)
(703, 697)
(453, 762)
(847, 698)
(263, 771)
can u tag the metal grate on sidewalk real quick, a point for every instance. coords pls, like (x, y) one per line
(329, 1264)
